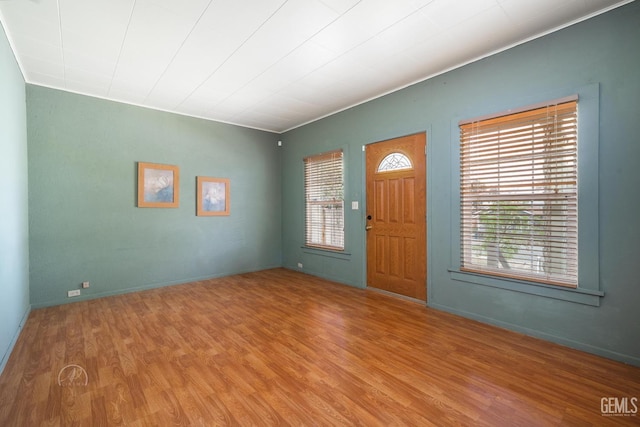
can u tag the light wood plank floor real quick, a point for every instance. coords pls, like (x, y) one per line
(281, 348)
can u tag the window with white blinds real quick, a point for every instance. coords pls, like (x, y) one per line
(518, 186)
(324, 200)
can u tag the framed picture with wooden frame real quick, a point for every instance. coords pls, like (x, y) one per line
(213, 197)
(158, 185)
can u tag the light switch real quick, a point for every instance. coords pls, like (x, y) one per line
(354, 206)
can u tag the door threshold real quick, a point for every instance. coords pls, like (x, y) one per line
(400, 296)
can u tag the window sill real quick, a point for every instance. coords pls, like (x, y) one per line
(576, 295)
(326, 252)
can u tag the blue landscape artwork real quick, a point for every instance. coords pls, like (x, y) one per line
(214, 197)
(158, 185)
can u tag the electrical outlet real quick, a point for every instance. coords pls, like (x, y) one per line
(74, 293)
(85, 285)
(299, 265)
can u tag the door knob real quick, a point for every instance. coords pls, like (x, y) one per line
(368, 227)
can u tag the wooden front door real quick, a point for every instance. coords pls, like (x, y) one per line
(396, 216)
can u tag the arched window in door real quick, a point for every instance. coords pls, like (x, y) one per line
(394, 161)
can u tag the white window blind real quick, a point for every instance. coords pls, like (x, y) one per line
(324, 206)
(518, 185)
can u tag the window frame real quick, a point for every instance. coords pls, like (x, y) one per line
(588, 291)
(509, 165)
(334, 231)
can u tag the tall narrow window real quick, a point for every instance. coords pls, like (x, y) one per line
(518, 189)
(324, 200)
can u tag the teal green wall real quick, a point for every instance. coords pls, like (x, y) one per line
(84, 223)
(14, 231)
(600, 53)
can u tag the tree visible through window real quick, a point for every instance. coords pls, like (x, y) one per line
(518, 186)
(324, 200)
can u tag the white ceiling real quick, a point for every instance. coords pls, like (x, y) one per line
(266, 64)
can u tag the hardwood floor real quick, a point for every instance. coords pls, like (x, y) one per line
(281, 348)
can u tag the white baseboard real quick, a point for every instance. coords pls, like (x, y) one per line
(9, 350)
